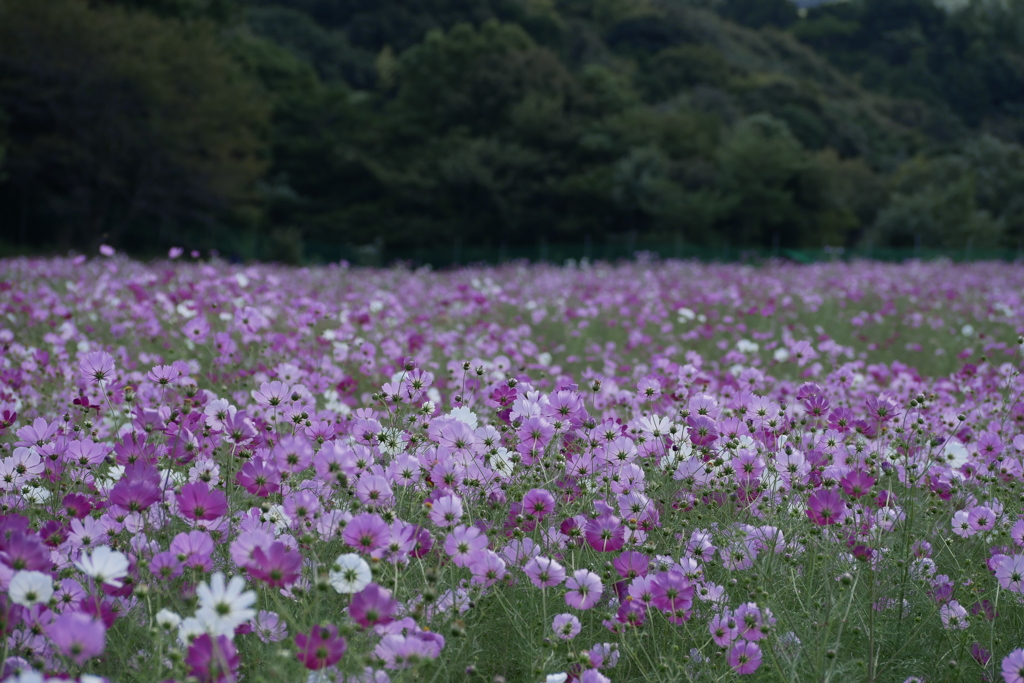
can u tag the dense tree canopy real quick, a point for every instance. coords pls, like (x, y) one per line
(259, 125)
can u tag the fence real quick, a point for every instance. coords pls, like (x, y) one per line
(456, 254)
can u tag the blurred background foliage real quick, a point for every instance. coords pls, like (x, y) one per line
(266, 127)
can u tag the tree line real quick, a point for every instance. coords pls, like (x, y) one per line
(261, 126)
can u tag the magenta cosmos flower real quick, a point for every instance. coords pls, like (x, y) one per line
(826, 506)
(259, 477)
(585, 589)
(605, 533)
(197, 501)
(212, 660)
(366, 532)
(745, 657)
(323, 647)
(77, 636)
(544, 572)
(373, 605)
(277, 565)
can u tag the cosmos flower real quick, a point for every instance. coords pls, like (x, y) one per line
(224, 605)
(371, 606)
(77, 636)
(544, 572)
(826, 506)
(745, 657)
(30, 587)
(566, 626)
(585, 589)
(350, 574)
(321, 648)
(105, 565)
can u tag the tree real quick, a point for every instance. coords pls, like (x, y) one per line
(123, 126)
(760, 13)
(766, 177)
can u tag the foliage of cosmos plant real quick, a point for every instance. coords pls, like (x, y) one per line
(641, 472)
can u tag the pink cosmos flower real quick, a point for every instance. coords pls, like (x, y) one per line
(703, 430)
(857, 484)
(366, 532)
(302, 507)
(953, 616)
(463, 544)
(197, 501)
(371, 606)
(673, 593)
(269, 628)
(446, 511)
(962, 524)
(488, 568)
(278, 565)
(138, 488)
(1013, 667)
(373, 490)
(566, 626)
(605, 533)
(539, 503)
(826, 506)
(163, 375)
(745, 657)
(1010, 573)
(323, 647)
(77, 636)
(750, 621)
(272, 394)
(544, 572)
(1017, 533)
(723, 628)
(594, 676)
(259, 477)
(585, 589)
(293, 454)
(631, 564)
(981, 518)
(97, 367)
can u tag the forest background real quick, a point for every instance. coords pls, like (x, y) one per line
(283, 129)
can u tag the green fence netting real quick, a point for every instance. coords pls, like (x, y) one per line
(442, 256)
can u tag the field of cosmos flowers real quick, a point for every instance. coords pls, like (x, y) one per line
(650, 471)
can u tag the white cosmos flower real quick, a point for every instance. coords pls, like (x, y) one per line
(30, 587)
(224, 606)
(167, 619)
(189, 629)
(104, 565)
(556, 678)
(350, 574)
(502, 461)
(464, 414)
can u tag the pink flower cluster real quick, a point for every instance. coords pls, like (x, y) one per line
(348, 463)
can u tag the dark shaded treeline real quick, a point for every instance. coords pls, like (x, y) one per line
(261, 126)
